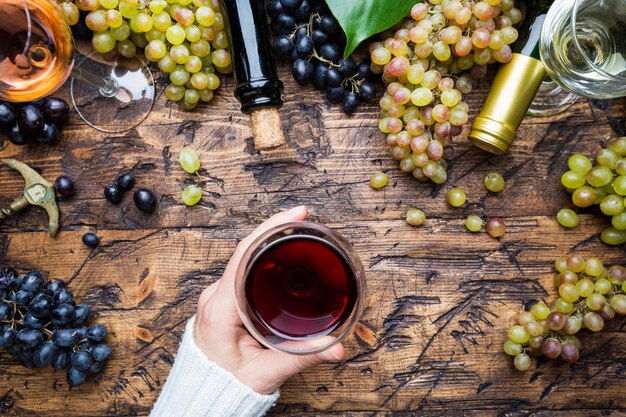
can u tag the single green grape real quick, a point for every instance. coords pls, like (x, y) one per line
(619, 145)
(473, 223)
(603, 286)
(595, 301)
(126, 49)
(192, 96)
(568, 292)
(494, 182)
(619, 185)
(567, 218)
(594, 266)
(192, 194)
(618, 303)
(120, 33)
(585, 287)
(415, 217)
(579, 163)
(585, 196)
(612, 205)
(518, 334)
(378, 180)
(573, 179)
(179, 76)
(175, 92)
(103, 42)
(598, 177)
(456, 197)
(563, 306)
(619, 221)
(189, 160)
(612, 236)
(141, 22)
(608, 158)
(511, 348)
(522, 362)
(540, 310)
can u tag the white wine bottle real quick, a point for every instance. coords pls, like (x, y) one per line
(514, 86)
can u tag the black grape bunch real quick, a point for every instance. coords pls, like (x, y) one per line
(307, 33)
(42, 325)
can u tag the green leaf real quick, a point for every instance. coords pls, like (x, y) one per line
(361, 19)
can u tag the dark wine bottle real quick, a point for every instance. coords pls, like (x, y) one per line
(514, 86)
(258, 86)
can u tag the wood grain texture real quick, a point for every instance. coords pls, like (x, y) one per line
(440, 299)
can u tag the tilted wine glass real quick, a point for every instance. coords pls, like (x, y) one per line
(37, 56)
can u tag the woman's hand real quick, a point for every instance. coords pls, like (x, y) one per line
(220, 333)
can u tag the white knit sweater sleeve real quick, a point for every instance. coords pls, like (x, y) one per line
(197, 387)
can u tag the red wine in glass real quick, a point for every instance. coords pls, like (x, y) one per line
(300, 287)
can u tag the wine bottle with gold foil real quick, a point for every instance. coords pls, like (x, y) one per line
(514, 86)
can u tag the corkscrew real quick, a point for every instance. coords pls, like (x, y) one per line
(37, 192)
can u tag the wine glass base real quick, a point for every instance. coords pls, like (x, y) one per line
(123, 110)
(551, 99)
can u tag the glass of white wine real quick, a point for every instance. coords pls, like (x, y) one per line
(583, 48)
(37, 56)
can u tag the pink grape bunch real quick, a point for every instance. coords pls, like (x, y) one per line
(428, 63)
(186, 38)
(589, 295)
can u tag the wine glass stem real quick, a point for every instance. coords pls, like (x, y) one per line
(107, 85)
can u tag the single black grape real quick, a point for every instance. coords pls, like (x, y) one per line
(125, 181)
(367, 91)
(101, 352)
(275, 8)
(330, 51)
(41, 305)
(7, 114)
(335, 94)
(30, 119)
(62, 314)
(303, 11)
(81, 335)
(350, 102)
(319, 37)
(22, 297)
(302, 71)
(290, 4)
(333, 77)
(32, 322)
(8, 337)
(286, 21)
(81, 315)
(33, 281)
(9, 278)
(347, 67)
(54, 110)
(365, 71)
(304, 46)
(48, 134)
(25, 356)
(6, 311)
(64, 337)
(75, 377)
(280, 31)
(64, 186)
(145, 200)
(97, 333)
(303, 31)
(113, 193)
(81, 360)
(329, 24)
(97, 367)
(63, 296)
(62, 360)
(45, 354)
(55, 285)
(16, 136)
(319, 75)
(91, 240)
(30, 338)
(283, 45)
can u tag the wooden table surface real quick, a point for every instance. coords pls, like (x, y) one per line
(440, 299)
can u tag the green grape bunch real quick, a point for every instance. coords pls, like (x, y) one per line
(590, 294)
(603, 185)
(186, 38)
(428, 62)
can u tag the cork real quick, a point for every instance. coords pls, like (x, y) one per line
(266, 129)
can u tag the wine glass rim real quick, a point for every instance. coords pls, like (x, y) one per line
(244, 268)
(574, 27)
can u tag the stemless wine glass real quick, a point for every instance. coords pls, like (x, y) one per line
(37, 57)
(300, 288)
(583, 48)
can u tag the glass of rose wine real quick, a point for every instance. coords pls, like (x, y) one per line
(300, 288)
(37, 56)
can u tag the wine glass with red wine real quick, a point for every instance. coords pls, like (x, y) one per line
(300, 288)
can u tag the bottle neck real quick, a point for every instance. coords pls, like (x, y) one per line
(535, 12)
